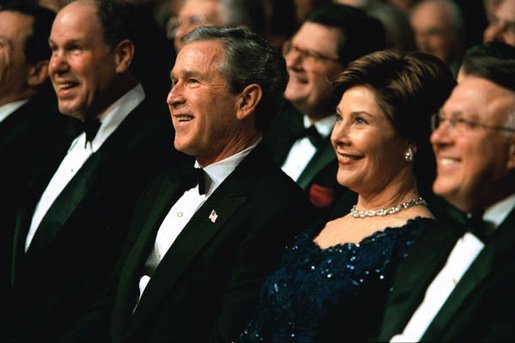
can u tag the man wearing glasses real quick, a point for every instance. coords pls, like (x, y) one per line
(457, 284)
(298, 139)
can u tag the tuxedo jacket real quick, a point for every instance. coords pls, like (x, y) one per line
(481, 307)
(73, 251)
(33, 135)
(318, 179)
(206, 285)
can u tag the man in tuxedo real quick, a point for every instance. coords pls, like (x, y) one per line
(68, 236)
(298, 139)
(200, 247)
(31, 131)
(457, 284)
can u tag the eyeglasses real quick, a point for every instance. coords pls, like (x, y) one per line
(462, 125)
(308, 56)
(196, 20)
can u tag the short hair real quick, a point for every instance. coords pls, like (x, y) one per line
(36, 45)
(361, 34)
(409, 88)
(248, 58)
(249, 13)
(494, 61)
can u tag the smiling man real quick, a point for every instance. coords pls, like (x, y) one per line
(68, 235)
(298, 139)
(457, 284)
(202, 242)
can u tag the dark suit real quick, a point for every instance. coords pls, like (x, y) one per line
(481, 307)
(318, 179)
(72, 254)
(207, 283)
(33, 135)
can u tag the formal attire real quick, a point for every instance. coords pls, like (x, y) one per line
(455, 286)
(68, 237)
(310, 162)
(332, 294)
(207, 275)
(32, 134)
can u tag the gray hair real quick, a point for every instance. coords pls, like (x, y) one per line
(248, 58)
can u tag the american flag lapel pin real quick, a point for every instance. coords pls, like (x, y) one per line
(213, 216)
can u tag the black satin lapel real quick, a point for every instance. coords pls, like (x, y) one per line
(322, 158)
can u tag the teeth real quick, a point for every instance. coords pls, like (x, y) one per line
(447, 161)
(184, 118)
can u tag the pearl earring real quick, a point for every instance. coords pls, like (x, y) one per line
(410, 154)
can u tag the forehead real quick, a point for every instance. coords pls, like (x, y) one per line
(506, 10)
(475, 96)
(200, 57)
(208, 8)
(317, 37)
(78, 20)
(14, 24)
(431, 14)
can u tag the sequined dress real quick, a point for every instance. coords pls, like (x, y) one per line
(334, 294)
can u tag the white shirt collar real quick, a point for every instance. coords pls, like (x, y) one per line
(7, 109)
(113, 116)
(324, 126)
(498, 212)
(218, 172)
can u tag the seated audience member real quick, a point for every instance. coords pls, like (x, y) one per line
(236, 13)
(199, 247)
(440, 30)
(73, 224)
(31, 131)
(334, 279)
(298, 139)
(501, 25)
(458, 282)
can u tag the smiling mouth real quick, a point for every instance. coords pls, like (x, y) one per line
(346, 159)
(447, 161)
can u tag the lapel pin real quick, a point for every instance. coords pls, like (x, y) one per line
(213, 216)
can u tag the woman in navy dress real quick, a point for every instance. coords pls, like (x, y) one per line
(334, 279)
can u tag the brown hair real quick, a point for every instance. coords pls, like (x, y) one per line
(409, 88)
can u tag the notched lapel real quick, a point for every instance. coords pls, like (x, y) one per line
(64, 206)
(197, 233)
(322, 158)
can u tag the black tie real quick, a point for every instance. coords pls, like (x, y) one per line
(197, 177)
(90, 127)
(312, 134)
(476, 225)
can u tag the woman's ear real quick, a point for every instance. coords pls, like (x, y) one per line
(37, 74)
(124, 54)
(248, 100)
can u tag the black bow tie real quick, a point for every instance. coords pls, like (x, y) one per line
(197, 177)
(476, 225)
(90, 127)
(312, 134)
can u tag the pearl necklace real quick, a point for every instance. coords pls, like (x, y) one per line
(386, 211)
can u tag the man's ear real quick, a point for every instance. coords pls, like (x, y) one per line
(248, 100)
(37, 74)
(123, 55)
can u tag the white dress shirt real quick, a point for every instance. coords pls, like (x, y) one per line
(302, 151)
(463, 254)
(184, 209)
(7, 109)
(79, 153)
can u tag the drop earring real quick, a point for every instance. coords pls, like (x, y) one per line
(409, 155)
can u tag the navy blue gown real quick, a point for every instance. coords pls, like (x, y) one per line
(334, 294)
